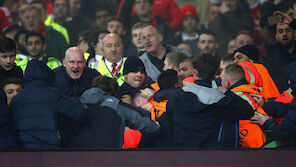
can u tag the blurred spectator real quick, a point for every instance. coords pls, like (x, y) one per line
(83, 39)
(231, 46)
(11, 31)
(234, 17)
(41, 5)
(186, 47)
(35, 45)
(153, 58)
(188, 33)
(213, 14)
(20, 41)
(7, 56)
(246, 53)
(225, 61)
(100, 17)
(185, 67)
(31, 19)
(73, 78)
(10, 8)
(202, 8)
(243, 38)
(12, 86)
(137, 47)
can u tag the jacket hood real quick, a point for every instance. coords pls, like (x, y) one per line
(38, 71)
(94, 96)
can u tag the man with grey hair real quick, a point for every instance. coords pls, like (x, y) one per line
(155, 54)
(73, 78)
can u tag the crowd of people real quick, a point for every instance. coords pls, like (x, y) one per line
(147, 74)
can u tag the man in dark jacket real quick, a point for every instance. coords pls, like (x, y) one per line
(8, 137)
(107, 118)
(74, 77)
(7, 56)
(36, 108)
(205, 117)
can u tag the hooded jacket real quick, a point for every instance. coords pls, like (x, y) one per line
(204, 117)
(107, 119)
(36, 108)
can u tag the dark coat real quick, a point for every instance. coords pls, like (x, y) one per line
(7, 134)
(204, 117)
(71, 87)
(107, 119)
(16, 71)
(37, 107)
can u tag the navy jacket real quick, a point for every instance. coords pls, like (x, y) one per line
(204, 117)
(36, 108)
(7, 135)
(16, 71)
(74, 87)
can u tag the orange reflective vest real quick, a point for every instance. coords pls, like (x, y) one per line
(258, 75)
(251, 135)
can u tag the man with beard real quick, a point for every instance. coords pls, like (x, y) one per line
(73, 78)
(281, 55)
(207, 43)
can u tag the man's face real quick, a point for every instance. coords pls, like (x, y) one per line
(231, 47)
(35, 47)
(116, 27)
(240, 57)
(284, 35)
(11, 90)
(207, 43)
(82, 44)
(142, 7)
(231, 4)
(31, 20)
(43, 11)
(101, 18)
(213, 13)
(74, 7)
(152, 40)
(189, 24)
(137, 38)
(7, 59)
(99, 45)
(242, 40)
(166, 65)
(60, 9)
(135, 79)
(112, 48)
(185, 69)
(74, 63)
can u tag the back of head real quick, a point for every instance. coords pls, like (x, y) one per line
(174, 58)
(168, 79)
(107, 84)
(206, 66)
(38, 71)
(234, 72)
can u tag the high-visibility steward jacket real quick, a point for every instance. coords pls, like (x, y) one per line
(19, 57)
(102, 68)
(287, 93)
(59, 28)
(86, 55)
(155, 86)
(51, 62)
(251, 135)
(258, 75)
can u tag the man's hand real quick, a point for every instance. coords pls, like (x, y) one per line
(258, 98)
(147, 93)
(222, 89)
(287, 18)
(259, 118)
(224, 8)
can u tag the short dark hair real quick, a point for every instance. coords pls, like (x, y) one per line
(93, 38)
(114, 18)
(107, 84)
(100, 8)
(185, 59)
(30, 34)
(17, 35)
(208, 32)
(13, 28)
(42, 2)
(167, 79)
(234, 71)
(228, 57)
(12, 80)
(206, 65)
(7, 44)
(244, 32)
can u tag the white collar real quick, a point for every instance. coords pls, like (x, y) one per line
(186, 37)
(109, 64)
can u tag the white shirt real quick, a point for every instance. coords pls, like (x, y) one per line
(186, 37)
(109, 64)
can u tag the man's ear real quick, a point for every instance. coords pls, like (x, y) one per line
(63, 61)
(195, 74)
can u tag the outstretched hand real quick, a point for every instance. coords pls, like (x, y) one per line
(259, 118)
(287, 18)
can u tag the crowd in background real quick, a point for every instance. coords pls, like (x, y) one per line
(147, 73)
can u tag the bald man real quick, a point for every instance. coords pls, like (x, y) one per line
(113, 62)
(73, 78)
